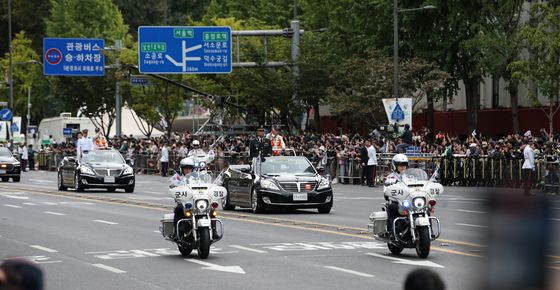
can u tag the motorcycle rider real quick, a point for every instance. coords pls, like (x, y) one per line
(399, 165)
(196, 150)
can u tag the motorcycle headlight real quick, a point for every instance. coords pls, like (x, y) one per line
(86, 170)
(201, 205)
(324, 184)
(269, 184)
(128, 171)
(419, 202)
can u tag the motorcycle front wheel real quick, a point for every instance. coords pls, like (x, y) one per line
(204, 243)
(423, 243)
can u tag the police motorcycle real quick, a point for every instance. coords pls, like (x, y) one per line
(415, 195)
(200, 197)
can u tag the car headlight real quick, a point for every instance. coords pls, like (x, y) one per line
(201, 205)
(128, 171)
(419, 202)
(325, 183)
(269, 184)
(86, 170)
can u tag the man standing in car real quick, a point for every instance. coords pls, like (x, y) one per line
(260, 145)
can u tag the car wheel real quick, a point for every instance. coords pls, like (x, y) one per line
(324, 209)
(256, 203)
(61, 183)
(111, 189)
(129, 188)
(226, 204)
(5, 179)
(16, 179)
(78, 183)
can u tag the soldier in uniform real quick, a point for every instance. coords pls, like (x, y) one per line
(260, 145)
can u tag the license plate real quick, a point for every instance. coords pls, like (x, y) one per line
(300, 196)
(109, 179)
(2, 171)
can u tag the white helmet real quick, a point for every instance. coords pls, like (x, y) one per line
(399, 159)
(196, 143)
(186, 162)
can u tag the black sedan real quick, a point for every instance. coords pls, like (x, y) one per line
(96, 169)
(276, 182)
(9, 166)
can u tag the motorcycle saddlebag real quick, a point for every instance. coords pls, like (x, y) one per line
(167, 229)
(379, 221)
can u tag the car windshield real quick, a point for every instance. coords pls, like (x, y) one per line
(5, 152)
(99, 156)
(289, 165)
(415, 174)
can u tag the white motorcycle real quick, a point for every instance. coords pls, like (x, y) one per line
(200, 197)
(415, 195)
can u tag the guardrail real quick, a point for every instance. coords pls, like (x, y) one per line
(454, 171)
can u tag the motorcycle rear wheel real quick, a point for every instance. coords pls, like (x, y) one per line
(423, 243)
(204, 243)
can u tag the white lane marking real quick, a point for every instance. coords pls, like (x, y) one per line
(470, 225)
(150, 198)
(457, 201)
(105, 222)
(471, 211)
(248, 249)
(358, 198)
(41, 180)
(54, 213)
(15, 196)
(408, 262)
(11, 205)
(44, 249)
(109, 268)
(154, 192)
(349, 271)
(214, 267)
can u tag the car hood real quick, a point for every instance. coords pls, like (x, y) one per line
(110, 166)
(8, 159)
(292, 178)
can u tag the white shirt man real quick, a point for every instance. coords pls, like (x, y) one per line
(371, 165)
(372, 155)
(183, 151)
(528, 166)
(85, 143)
(164, 154)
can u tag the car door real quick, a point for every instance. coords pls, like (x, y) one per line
(233, 185)
(245, 186)
(69, 168)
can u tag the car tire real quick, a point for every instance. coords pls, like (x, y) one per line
(324, 209)
(16, 179)
(78, 186)
(5, 179)
(60, 182)
(111, 189)
(129, 189)
(226, 204)
(256, 203)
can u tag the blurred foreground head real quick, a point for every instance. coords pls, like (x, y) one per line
(522, 242)
(19, 274)
(423, 279)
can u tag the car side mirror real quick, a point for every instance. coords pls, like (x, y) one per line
(328, 177)
(245, 170)
(129, 162)
(321, 170)
(71, 159)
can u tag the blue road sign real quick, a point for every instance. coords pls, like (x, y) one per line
(397, 114)
(5, 114)
(184, 49)
(67, 132)
(73, 57)
(15, 128)
(139, 80)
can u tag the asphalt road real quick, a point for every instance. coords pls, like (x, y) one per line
(101, 240)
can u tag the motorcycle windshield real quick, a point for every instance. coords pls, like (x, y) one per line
(413, 175)
(199, 177)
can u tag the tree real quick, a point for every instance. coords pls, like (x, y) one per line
(88, 19)
(361, 83)
(542, 67)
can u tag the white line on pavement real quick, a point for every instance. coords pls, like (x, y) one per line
(458, 201)
(54, 213)
(41, 180)
(44, 249)
(350, 271)
(472, 226)
(105, 222)
(109, 268)
(471, 211)
(154, 192)
(11, 205)
(17, 197)
(248, 249)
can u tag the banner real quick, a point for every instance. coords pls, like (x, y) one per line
(16, 126)
(400, 112)
(3, 130)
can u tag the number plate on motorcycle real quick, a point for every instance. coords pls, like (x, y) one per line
(300, 196)
(109, 179)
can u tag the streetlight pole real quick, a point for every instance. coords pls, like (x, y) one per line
(11, 57)
(396, 11)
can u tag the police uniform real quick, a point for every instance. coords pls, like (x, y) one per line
(260, 144)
